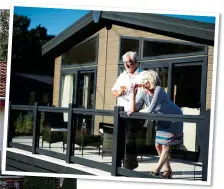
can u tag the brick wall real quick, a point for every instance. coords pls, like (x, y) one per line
(3, 69)
(58, 183)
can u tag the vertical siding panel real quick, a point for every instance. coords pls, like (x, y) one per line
(56, 87)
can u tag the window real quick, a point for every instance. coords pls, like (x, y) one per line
(45, 98)
(147, 48)
(32, 98)
(121, 68)
(129, 44)
(155, 54)
(85, 52)
(158, 48)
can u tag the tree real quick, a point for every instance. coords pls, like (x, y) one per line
(26, 47)
(26, 58)
(4, 33)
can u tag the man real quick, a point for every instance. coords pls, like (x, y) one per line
(131, 75)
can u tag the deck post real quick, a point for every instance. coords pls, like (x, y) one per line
(205, 141)
(36, 128)
(204, 130)
(70, 134)
(117, 148)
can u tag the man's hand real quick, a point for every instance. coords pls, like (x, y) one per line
(118, 93)
(121, 92)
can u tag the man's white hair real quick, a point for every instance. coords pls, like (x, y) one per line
(152, 77)
(132, 55)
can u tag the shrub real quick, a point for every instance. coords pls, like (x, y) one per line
(18, 124)
(24, 124)
(28, 123)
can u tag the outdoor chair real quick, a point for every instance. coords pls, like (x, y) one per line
(54, 128)
(107, 134)
(84, 139)
(107, 137)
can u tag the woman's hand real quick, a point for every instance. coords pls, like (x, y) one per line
(129, 113)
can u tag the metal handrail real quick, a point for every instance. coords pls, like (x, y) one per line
(163, 117)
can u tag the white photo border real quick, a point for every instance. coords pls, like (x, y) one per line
(63, 6)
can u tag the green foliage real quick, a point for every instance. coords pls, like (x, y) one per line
(39, 182)
(69, 183)
(41, 121)
(28, 123)
(23, 124)
(4, 33)
(19, 123)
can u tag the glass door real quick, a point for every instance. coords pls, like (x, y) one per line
(182, 80)
(79, 88)
(85, 98)
(85, 89)
(186, 85)
(186, 93)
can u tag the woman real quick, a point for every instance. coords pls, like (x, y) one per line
(157, 101)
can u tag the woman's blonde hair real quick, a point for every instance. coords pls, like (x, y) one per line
(152, 77)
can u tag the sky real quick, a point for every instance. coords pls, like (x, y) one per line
(207, 19)
(56, 20)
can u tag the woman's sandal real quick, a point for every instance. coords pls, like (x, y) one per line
(168, 175)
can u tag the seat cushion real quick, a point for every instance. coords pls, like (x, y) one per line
(59, 129)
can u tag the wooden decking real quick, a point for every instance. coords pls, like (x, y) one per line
(183, 170)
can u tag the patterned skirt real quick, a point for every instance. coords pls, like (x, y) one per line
(169, 133)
